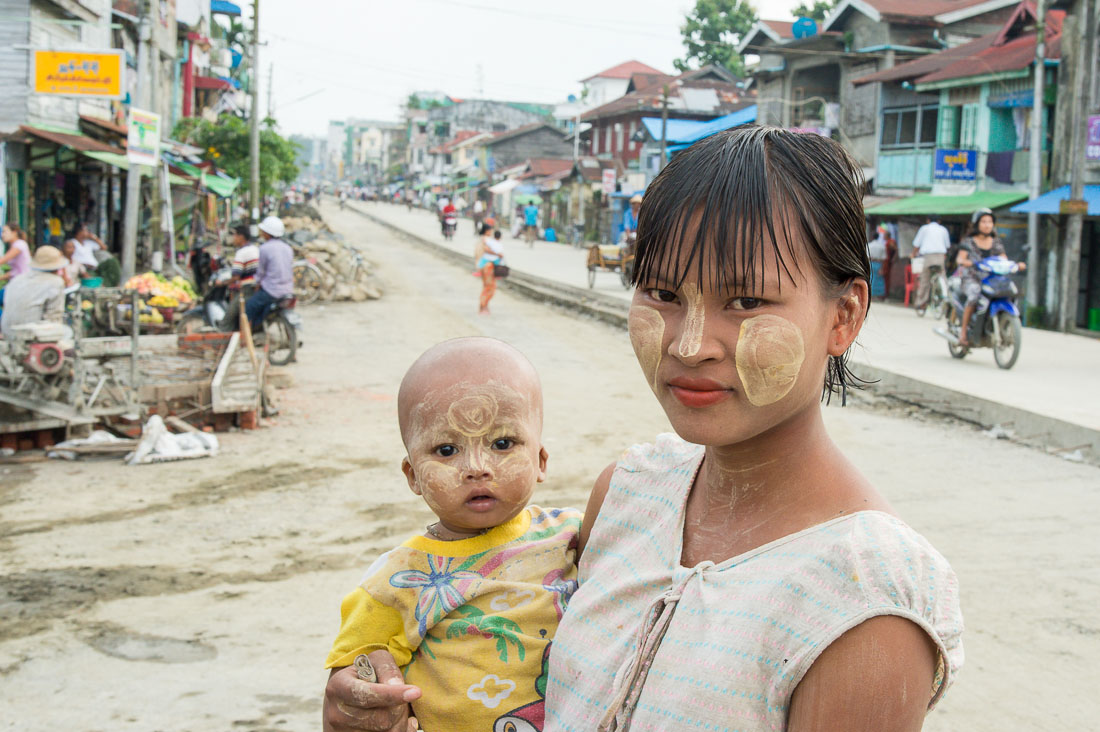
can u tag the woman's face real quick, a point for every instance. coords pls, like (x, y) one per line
(729, 364)
(7, 235)
(985, 225)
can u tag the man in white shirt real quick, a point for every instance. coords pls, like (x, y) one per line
(931, 244)
(85, 245)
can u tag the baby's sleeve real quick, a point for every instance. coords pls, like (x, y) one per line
(367, 625)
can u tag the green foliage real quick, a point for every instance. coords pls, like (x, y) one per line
(226, 144)
(818, 9)
(712, 30)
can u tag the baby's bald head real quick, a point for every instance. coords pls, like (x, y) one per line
(462, 365)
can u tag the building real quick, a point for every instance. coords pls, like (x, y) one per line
(805, 73)
(514, 147)
(616, 127)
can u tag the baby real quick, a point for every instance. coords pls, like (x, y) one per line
(470, 607)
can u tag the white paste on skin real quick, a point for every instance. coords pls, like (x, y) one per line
(692, 339)
(647, 334)
(769, 357)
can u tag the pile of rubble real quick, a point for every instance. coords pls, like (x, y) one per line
(345, 274)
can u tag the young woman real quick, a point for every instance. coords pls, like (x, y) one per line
(489, 253)
(983, 242)
(742, 574)
(17, 255)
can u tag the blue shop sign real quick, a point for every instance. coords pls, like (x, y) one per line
(956, 165)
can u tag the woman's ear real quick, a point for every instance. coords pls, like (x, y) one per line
(850, 312)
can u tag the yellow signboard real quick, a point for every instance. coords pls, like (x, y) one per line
(79, 73)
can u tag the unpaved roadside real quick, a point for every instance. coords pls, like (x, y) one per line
(203, 595)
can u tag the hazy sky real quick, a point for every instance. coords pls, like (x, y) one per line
(362, 58)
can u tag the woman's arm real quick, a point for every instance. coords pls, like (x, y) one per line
(592, 510)
(877, 677)
(9, 255)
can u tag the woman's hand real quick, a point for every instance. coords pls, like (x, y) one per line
(352, 704)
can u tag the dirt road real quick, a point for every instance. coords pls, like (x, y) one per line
(203, 595)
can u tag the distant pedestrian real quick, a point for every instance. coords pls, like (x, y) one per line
(17, 255)
(490, 254)
(531, 223)
(883, 249)
(931, 244)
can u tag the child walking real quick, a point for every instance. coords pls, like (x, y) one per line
(469, 608)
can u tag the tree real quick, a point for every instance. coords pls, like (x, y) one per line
(818, 10)
(712, 30)
(226, 144)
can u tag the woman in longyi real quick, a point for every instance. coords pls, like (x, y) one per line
(742, 574)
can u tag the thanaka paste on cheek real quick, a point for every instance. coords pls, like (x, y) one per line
(692, 339)
(769, 357)
(647, 333)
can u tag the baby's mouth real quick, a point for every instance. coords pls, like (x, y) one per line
(481, 501)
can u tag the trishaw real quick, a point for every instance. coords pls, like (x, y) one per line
(611, 258)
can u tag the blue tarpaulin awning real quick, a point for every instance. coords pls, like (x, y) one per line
(224, 7)
(1048, 202)
(685, 132)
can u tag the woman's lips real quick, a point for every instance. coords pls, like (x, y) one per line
(697, 393)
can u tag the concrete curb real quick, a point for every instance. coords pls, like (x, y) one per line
(1019, 425)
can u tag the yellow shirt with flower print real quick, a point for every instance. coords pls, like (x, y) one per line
(470, 620)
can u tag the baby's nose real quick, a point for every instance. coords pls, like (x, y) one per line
(477, 466)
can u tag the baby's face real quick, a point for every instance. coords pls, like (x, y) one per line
(475, 453)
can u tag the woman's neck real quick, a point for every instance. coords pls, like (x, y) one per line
(773, 471)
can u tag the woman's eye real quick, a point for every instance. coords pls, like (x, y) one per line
(446, 451)
(746, 303)
(661, 295)
(503, 444)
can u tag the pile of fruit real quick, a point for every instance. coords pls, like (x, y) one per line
(146, 313)
(158, 285)
(163, 301)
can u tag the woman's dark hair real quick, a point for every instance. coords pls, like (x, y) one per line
(974, 230)
(18, 231)
(484, 229)
(740, 186)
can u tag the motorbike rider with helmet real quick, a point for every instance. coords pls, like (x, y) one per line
(274, 271)
(981, 243)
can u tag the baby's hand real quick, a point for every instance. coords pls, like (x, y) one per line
(352, 704)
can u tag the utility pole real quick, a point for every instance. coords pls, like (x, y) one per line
(270, 88)
(156, 235)
(664, 126)
(132, 216)
(1035, 156)
(254, 141)
(1086, 39)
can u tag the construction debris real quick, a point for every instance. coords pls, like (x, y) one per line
(339, 271)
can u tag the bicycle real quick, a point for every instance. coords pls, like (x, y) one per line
(939, 296)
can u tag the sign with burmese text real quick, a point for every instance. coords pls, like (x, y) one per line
(95, 74)
(956, 165)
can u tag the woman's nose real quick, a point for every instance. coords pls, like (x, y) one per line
(692, 344)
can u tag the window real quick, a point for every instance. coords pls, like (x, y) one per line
(910, 127)
(949, 123)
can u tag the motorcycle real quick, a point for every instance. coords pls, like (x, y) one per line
(280, 327)
(450, 223)
(996, 320)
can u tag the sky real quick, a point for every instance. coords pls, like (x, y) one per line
(335, 59)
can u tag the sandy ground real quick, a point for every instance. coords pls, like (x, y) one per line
(203, 595)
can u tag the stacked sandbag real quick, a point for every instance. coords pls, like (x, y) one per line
(341, 277)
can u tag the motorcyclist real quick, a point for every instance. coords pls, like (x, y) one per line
(982, 243)
(448, 210)
(274, 271)
(245, 262)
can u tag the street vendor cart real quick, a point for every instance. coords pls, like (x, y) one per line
(610, 258)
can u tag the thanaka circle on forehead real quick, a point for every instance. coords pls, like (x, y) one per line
(470, 362)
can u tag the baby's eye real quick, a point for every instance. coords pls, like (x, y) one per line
(745, 303)
(446, 451)
(661, 295)
(503, 444)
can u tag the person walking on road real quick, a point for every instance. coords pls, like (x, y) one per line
(274, 271)
(931, 244)
(531, 223)
(490, 253)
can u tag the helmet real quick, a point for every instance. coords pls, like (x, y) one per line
(981, 212)
(273, 227)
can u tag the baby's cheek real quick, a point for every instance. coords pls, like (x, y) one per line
(437, 481)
